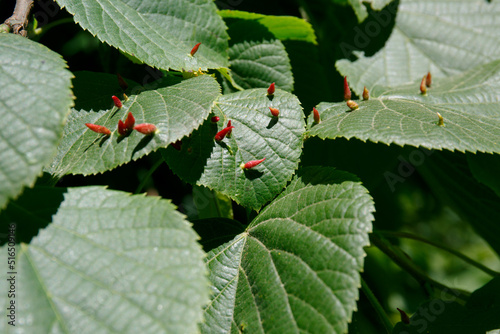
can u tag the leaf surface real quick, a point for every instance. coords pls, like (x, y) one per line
(468, 103)
(35, 98)
(175, 110)
(158, 33)
(296, 268)
(445, 37)
(258, 64)
(256, 135)
(109, 263)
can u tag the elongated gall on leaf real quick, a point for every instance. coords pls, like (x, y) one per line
(352, 105)
(98, 128)
(121, 82)
(441, 120)
(125, 97)
(366, 94)
(275, 112)
(251, 164)
(122, 129)
(146, 128)
(423, 87)
(316, 117)
(347, 90)
(271, 89)
(215, 119)
(117, 102)
(404, 317)
(222, 133)
(195, 49)
(130, 122)
(428, 79)
(228, 134)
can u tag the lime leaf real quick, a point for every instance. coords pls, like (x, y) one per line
(175, 110)
(468, 103)
(256, 135)
(296, 268)
(485, 169)
(35, 97)
(109, 263)
(161, 34)
(281, 27)
(33, 209)
(479, 315)
(475, 203)
(359, 6)
(444, 37)
(258, 64)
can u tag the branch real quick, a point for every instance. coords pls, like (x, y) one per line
(19, 19)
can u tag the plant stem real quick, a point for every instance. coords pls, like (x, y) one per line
(42, 30)
(148, 175)
(19, 19)
(440, 246)
(404, 262)
(378, 308)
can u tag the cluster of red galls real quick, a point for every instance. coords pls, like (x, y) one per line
(228, 129)
(124, 128)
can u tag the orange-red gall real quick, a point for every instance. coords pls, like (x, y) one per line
(98, 128)
(251, 164)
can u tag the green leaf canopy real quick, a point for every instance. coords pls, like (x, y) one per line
(35, 98)
(159, 33)
(256, 135)
(468, 103)
(296, 268)
(175, 110)
(445, 37)
(109, 263)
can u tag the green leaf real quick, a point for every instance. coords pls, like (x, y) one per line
(444, 37)
(176, 111)
(109, 263)
(479, 315)
(448, 175)
(257, 135)
(281, 27)
(210, 203)
(161, 34)
(33, 209)
(359, 6)
(35, 98)
(485, 169)
(468, 103)
(296, 268)
(258, 64)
